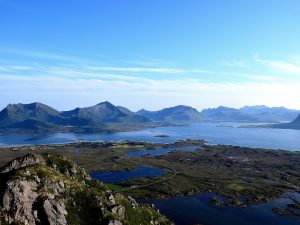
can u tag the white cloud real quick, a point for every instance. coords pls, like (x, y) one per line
(64, 93)
(69, 84)
(280, 66)
(235, 63)
(14, 68)
(138, 69)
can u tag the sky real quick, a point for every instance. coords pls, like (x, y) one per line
(150, 54)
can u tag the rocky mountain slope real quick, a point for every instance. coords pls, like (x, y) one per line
(52, 190)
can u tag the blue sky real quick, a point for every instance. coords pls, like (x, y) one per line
(150, 54)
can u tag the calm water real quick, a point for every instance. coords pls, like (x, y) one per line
(197, 210)
(214, 133)
(161, 151)
(124, 175)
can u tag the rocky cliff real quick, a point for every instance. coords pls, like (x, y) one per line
(52, 190)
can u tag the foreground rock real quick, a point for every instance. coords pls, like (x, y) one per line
(51, 189)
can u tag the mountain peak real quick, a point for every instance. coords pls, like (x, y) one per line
(179, 113)
(105, 103)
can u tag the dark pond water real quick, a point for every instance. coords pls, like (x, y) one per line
(124, 175)
(160, 151)
(214, 133)
(197, 210)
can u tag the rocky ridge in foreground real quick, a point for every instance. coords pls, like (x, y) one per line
(51, 189)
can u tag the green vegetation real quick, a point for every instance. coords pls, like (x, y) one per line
(242, 175)
(238, 187)
(114, 187)
(59, 179)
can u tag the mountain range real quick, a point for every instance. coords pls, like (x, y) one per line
(38, 117)
(251, 114)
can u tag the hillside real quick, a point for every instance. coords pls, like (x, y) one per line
(50, 189)
(15, 113)
(105, 112)
(179, 113)
(295, 124)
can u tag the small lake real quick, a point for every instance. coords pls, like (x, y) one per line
(161, 151)
(197, 210)
(213, 133)
(124, 175)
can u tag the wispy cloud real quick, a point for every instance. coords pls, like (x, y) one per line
(140, 92)
(45, 55)
(235, 63)
(14, 68)
(280, 66)
(78, 82)
(139, 69)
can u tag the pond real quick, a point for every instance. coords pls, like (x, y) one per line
(161, 151)
(124, 175)
(190, 210)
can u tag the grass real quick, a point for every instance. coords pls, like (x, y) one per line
(114, 187)
(237, 187)
(221, 169)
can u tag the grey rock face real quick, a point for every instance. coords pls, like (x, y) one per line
(119, 211)
(55, 212)
(133, 202)
(114, 222)
(24, 203)
(18, 200)
(111, 199)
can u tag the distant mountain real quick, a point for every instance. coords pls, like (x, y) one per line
(105, 112)
(179, 113)
(250, 114)
(270, 114)
(42, 118)
(295, 124)
(225, 114)
(15, 113)
(37, 117)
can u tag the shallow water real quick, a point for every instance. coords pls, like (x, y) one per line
(124, 175)
(197, 210)
(161, 151)
(214, 133)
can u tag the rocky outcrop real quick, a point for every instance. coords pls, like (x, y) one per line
(118, 211)
(53, 190)
(18, 201)
(28, 160)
